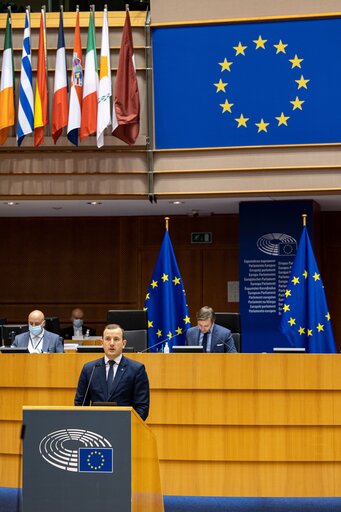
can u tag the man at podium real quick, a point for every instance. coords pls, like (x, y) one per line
(114, 378)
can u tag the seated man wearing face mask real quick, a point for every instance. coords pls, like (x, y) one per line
(37, 339)
(77, 328)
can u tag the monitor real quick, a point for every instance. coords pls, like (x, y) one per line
(85, 349)
(187, 349)
(289, 350)
(13, 350)
(128, 319)
(52, 324)
(9, 332)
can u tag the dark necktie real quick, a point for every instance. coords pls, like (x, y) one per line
(204, 342)
(110, 379)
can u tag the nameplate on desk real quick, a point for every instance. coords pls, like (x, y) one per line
(86, 338)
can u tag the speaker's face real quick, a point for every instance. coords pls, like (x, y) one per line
(113, 343)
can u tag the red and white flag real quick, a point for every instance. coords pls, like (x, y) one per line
(60, 99)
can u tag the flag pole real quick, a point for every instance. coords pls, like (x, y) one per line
(167, 221)
(304, 219)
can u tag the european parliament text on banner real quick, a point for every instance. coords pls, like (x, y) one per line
(305, 318)
(165, 302)
(248, 84)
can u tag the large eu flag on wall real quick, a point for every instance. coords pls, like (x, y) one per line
(248, 84)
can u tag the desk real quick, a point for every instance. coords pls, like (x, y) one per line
(226, 424)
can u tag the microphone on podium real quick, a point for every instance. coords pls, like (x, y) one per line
(88, 387)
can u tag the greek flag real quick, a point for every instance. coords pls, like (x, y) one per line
(25, 110)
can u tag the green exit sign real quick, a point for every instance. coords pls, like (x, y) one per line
(201, 238)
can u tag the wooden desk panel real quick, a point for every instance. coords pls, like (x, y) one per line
(234, 424)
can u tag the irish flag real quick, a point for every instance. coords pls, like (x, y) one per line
(90, 87)
(40, 104)
(7, 85)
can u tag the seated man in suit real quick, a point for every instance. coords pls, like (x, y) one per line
(114, 377)
(212, 337)
(77, 328)
(37, 339)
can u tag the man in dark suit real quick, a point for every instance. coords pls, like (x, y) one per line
(77, 328)
(114, 378)
(37, 339)
(212, 337)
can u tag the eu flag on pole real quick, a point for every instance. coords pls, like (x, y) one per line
(165, 302)
(306, 319)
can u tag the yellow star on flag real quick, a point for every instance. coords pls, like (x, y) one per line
(292, 321)
(159, 333)
(282, 119)
(286, 307)
(260, 43)
(296, 62)
(154, 284)
(164, 278)
(240, 49)
(316, 277)
(187, 319)
(327, 316)
(320, 327)
(280, 47)
(302, 82)
(305, 274)
(262, 126)
(169, 335)
(178, 330)
(147, 296)
(295, 280)
(301, 330)
(220, 86)
(288, 293)
(176, 280)
(309, 332)
(226, 106)
(242, 121)
(150, 323)
(225, 65)
(297, 103)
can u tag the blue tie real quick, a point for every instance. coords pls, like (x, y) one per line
(110, 379)
(204, 342)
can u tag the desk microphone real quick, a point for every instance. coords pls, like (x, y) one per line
(224, 342)
(92, 374)
(159, 343)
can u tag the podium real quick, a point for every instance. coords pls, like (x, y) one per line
(89, 458)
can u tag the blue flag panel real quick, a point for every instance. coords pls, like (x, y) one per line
(306, 319)
(248, 84)
(96, 460)
(165, 302)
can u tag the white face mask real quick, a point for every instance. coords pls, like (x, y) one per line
(77, 322)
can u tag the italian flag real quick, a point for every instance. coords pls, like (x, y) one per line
(90, 87)
(7, 85)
